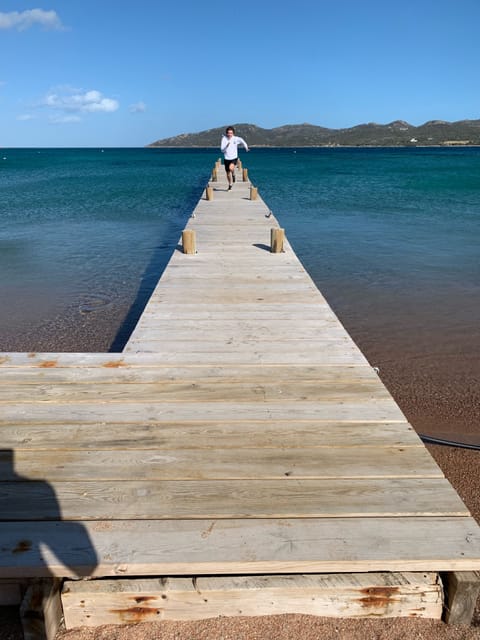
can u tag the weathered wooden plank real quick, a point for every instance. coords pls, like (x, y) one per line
(356, 409)
(290, 289)
(215, 332)
(218, 464)
(244, 350)
(267, 391)
(235, 312)
(186, 274)
(279, 352)
(204, 435)
(296, 356)
(122, 601)
(120, 360)
(183, 374)
(178, 499)
(263, 329)
(235, 295)
(226, 547)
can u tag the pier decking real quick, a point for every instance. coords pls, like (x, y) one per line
(240, 432)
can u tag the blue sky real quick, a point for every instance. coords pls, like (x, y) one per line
(124, 73)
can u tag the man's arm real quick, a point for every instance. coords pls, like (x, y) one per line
(242, 141)
(224, 144)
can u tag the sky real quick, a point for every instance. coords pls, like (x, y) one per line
(123, 73)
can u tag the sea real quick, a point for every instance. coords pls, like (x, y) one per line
(391, 236)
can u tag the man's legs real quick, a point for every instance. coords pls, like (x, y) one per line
(230, 171)
(230, 175)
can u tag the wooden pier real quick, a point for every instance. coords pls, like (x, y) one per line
(241, 456)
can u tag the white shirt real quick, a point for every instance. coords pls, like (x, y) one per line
(229, 146)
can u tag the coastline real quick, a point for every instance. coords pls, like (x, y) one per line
(322, 146)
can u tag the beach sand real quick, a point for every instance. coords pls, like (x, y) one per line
(439, 396)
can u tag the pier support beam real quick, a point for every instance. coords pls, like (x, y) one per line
(462, 588)
(383, 595)
(41, 610)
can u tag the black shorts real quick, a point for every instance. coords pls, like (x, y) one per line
(227, 163)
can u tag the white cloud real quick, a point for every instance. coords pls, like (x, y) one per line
(75, 101)
(25, 117)
(138, 107)
(26, 19)
(65, 119)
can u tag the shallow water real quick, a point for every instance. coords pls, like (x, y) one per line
(87, 232)
(390, 236)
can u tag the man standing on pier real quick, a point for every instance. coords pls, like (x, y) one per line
(229, 148)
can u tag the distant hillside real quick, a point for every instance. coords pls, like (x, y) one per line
(395, 134)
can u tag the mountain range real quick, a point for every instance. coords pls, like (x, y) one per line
(395, 134)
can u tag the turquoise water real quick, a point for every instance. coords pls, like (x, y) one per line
(87, 232)
(89, 229)
(384, 232)
(390, 236)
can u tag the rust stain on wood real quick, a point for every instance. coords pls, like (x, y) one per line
(48, 364)
(376, 597)
(4, 359)
(114, 364)
(136, 614)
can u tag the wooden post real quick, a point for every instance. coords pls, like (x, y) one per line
(209, 193)
(239, 164)
(188, 241)
(245, 175)
(462, 589)
(41, 610)
(277, 237)
(214, 175)
(253, 193)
